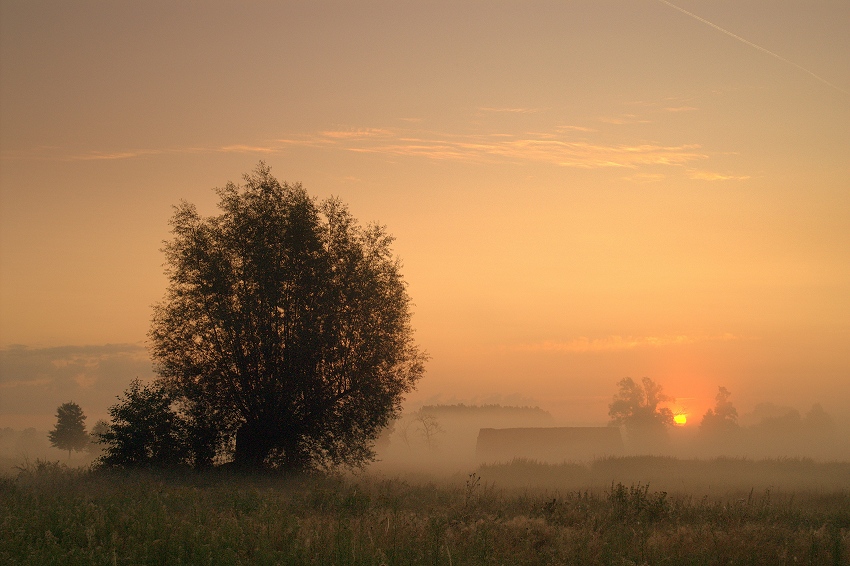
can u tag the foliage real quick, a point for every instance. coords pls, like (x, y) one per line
(723, 419)
(635, 406)
(817, 420)
(95, 446)
(635, 503)
(145, 430)
(285, 327)
(69, 433)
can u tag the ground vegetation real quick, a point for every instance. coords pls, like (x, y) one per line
(51, 514)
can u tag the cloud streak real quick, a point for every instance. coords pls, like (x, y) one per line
(559, 147)
(712, 176)
(511, 110)
(555, 148)
(620, 343)
(755, 46)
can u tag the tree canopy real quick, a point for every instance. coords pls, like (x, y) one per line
(723, 418)
(285, 328)
(144, 430)
(69, 433)
(635, 406)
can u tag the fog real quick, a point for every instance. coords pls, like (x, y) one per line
(772, 448)
(436, 438)
(20, 448)
(443, 439)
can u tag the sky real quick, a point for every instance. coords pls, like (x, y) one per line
(580, 191)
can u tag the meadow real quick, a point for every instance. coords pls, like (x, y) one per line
(518, 513)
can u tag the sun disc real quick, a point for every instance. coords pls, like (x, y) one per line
(680, 419)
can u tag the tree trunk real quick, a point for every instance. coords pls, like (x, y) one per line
(252, 446)
(295, 459)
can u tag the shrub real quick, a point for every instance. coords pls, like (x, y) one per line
(145, 430)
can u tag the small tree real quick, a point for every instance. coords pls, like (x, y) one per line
(145, 429)
(70, 430)
(429, 428)
(723, 419)
(817, 420)
(95, 445)
(635, 406)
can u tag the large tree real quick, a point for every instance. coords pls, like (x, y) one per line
(69, 433)
(636, 406)
(285, 327)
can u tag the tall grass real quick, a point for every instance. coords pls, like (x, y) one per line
(52, 515)
(715, 476)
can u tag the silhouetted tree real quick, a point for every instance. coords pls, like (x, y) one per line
(285, 327)
(723, 418)
(635, 406)
(429, 427)
(145, 430)
(818, 421)
(775, 420)
(69, 433)
(95, 445)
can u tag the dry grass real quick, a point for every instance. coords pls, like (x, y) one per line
(52, 515)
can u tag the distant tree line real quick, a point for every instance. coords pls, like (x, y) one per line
(461, 409)
(638, 407)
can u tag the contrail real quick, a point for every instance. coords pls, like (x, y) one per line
(753, 45)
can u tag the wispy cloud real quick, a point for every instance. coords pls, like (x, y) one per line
(556, 147)
(554, 150)
(242, 148)
(107, 156)
(621, 343)
(712, 176)
(562, 145)
(645, 177)
(36, 380)
(561, 129)
(681, 108)
(357, 134)
(623, 119)
(519, 110)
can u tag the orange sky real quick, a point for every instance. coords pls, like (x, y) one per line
(580, 191)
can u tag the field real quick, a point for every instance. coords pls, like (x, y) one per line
(518, 513)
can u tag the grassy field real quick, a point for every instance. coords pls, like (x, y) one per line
(50, 514)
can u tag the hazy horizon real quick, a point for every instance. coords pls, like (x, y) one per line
(579, 192)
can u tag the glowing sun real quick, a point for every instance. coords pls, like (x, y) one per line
(680, 419)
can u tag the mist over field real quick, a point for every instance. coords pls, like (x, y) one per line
(433, 438)
(441, 441)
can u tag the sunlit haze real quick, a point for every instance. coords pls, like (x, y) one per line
(579, 191)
